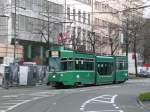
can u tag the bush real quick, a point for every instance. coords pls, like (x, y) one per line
(145, 97)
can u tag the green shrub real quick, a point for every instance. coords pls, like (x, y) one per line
(145, 97)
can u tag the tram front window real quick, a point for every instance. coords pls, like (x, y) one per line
(54, 64)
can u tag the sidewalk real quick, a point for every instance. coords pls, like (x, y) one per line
(36, 87)
(145, 105)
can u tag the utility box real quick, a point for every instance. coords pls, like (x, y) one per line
(27, 76)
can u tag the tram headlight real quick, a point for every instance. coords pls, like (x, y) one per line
(54, 76)
(61, 75)
(78, 76)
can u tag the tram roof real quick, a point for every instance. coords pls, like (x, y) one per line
(104, 59)
(74, 54)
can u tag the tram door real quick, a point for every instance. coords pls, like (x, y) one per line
(105, 72)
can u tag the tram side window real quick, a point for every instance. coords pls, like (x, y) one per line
(77, 65)
(84, 65)
(122, 65)
(70, 65)
(105, 68)
(90, 66)
(125, 65)
(64, 66)
(67, 65)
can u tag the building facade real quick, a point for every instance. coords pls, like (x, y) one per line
(32, 24)
(109, 19)
(29, 27)
(78, 17)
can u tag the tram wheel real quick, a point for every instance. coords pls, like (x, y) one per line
(76, 84)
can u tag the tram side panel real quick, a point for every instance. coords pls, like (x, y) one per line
(105, 72)
(121, 68)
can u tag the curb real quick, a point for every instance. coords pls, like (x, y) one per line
(142, 105)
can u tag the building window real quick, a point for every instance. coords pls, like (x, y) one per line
(79, 16)
(22, 23)
(89, 19)
(84, 17)
(84, 35)
(29, 24)
(79, 32)
(68, 13)
(73, 37)
(74, 14)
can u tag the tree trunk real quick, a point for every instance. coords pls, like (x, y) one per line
(136, 72)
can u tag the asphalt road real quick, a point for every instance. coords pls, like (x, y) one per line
(106, 98)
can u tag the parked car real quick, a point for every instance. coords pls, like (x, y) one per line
(144, 71)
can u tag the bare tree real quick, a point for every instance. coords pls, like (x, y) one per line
(114, 40)
(74, 40)
(92, 40)
(146, 41)
(107, 38)
(134, 32)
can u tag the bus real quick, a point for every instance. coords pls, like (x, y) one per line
(74, 68)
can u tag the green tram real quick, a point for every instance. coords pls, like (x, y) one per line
(72, 68)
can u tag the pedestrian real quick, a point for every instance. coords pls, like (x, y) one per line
(6, 78)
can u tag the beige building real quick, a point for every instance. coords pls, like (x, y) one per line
(32, 25)
(77, 23)
(109, 16)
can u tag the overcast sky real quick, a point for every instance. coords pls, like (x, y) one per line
(147, 10)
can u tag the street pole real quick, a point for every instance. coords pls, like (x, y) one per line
(15, 32)
(126, 38)
(93, 36)
(65, 14)
(110, 39)
(48, 33)
(64, 26)
(135, 58)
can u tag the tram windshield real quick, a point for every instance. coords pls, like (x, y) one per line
(54, 64)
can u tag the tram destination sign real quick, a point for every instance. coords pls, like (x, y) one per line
(55, 54)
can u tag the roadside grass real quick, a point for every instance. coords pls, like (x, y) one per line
(144, 97)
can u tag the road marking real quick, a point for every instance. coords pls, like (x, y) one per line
(100, 87)
(13, 101)
(99, 99)
(106, 111)
(18, 104)
(54, 103)
(16, 100)
(2, 110)
(4, 106)
(10, 96)
(114, 105)
(9, 103)
(106, 99)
